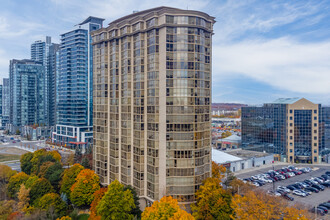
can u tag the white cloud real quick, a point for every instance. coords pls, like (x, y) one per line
(282, 63)
(13, 27)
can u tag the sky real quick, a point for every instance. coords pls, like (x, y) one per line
(262, 49)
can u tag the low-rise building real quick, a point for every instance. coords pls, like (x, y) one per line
(231, 142)
(238, 159)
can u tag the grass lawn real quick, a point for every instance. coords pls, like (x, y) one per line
(8, 157)
(83, 217)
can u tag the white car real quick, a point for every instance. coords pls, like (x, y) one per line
(299, 193)
(291, 174)
(284, 189)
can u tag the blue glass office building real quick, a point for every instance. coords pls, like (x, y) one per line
(45, 52)
(74, 86)
(26, 93)
(5, 102)
(294, 129)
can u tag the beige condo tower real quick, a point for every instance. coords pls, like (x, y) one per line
(152, 102)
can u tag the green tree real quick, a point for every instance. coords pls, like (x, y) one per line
(18, 132)
(52, 200)
(54, 174)
(15, 182)
(26, 164)
(85, 163)
(135, 211)
(30, 181)
(69, 178)
(116, 203)
(87, 182)
(39, 188)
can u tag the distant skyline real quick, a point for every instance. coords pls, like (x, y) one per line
(262, 50)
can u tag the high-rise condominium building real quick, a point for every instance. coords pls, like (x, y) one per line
(74, 107)
(152, 102)
(26, 93)
(5, 102)
(294, 129)
(45, 52)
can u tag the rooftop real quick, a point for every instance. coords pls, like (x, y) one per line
(246, 153)
(286, 100)
(93, 20)
(232, 138)
(222, 157)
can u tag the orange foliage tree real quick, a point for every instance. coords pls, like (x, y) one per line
(258, 205)
(97, 198)
(69, 178)
(166, 208)
(15, 182)
(87, 182)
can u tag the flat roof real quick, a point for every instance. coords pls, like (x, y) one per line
(223, 157)
(246, 153)
(286, 100)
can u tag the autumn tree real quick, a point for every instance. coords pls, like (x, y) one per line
(69, 178)
(39, 188)
(296, 213)
(23, 198)
(52, 200)
(166, 208)
(5, 174)
(116, 203)
(258, 205)
(65, 218)
(225, 134)
(55, 154)
(26, 164)
(30, 181)
(97, 198)
(44, 167)
(15, 182)
(135, 211)
(6, 208)
(87, 182)
(212, 201)
(218, 171)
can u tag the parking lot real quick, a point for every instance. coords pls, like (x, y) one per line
(309, 201)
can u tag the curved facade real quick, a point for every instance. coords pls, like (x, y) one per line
(152, 102)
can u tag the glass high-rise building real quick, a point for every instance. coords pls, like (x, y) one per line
(26, 92)
(152, 102)
(74, 86)
(5, 101)
(45, 52)
(291, 128)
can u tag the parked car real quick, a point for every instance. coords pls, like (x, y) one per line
(307, 191)
(284, 188)
(326, 184)
(291, 187)
(312, 189)
(318, 211)
(299, 193)
(319, 187)
(286, 196)
(327, 172)
(326, 204)
(325, 209)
